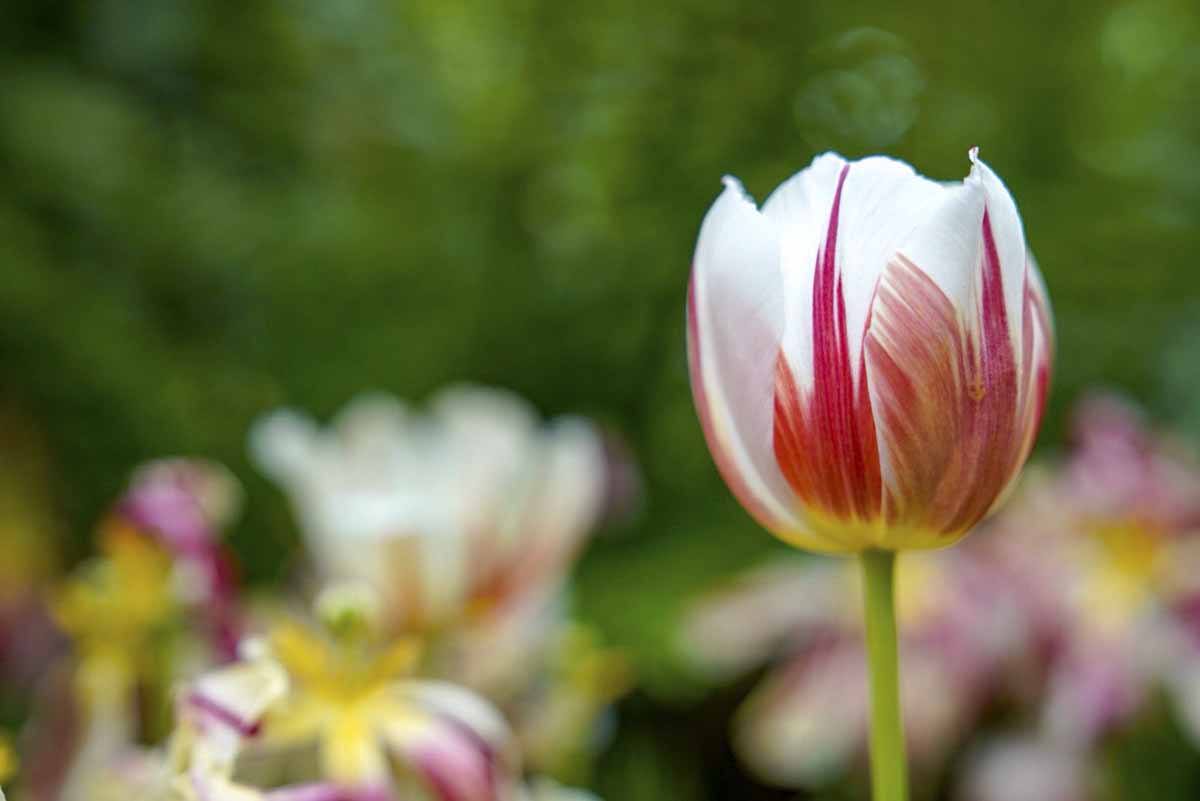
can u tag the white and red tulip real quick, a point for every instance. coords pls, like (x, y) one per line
(870, 352)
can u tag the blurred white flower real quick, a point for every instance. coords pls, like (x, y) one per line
(458, 512)
(466, 519)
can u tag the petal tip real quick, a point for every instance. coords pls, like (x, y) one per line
(732, 184)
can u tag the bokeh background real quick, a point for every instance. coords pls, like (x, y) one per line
(211, 208)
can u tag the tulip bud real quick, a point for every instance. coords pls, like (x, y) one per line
(870, 352)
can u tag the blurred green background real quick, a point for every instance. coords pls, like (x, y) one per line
(209, 208)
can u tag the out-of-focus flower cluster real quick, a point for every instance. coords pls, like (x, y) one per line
(1026, 648)
(426, 651)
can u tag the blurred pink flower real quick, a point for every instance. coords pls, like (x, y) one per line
(962, 638)
(184, 504)
(1109, 541)
(156, 602)
(1119, 469)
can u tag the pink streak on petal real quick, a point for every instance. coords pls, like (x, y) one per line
(990, 406)
(216, 712)
(457, 762)
(825, 441)
(455, 771)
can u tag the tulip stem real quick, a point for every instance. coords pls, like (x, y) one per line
(889, 769)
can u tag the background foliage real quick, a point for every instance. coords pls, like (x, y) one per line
(209, 208)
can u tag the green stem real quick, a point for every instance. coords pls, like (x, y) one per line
(889, 769)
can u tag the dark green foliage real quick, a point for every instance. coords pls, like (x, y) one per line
(211, 208)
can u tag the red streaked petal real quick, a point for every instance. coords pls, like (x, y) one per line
(216, 713)
(1007, 241)
(1038, 356)
(881, 201)
(457, 743)
(235, 697)
(946, 399)
(824, 439)
(914, 358)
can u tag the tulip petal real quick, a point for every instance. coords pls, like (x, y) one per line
(561, 502)
(735, 315)
(1038, 354)
(236, 697)
(956, 412)
(946, 406)
(825, 438)
(1008, 239)
(882, 200)
(838, 223)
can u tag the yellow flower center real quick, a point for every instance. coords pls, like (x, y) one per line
(1129, 556)
(340, 676)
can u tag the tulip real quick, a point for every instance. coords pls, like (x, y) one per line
(869, 354)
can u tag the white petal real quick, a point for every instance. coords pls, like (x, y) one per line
(882, 201)
(372, 424)
(948, 245)
(735, 323)
(446, 700)
(227, 705)
(239, 695)
(559, 503)
(1009, 235)
(460, 746)
(282, 445)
